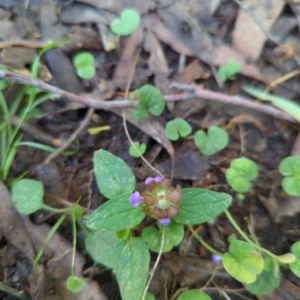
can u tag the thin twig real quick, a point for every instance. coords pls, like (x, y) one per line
(192, 92)
(156, 262)
(11, 291)
(72, 137)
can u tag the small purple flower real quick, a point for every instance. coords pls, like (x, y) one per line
(156, 179)
(216, 258)
(135, 199)
(165, 221)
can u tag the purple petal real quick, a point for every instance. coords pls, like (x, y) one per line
(135, 199)
(216, 258)
(149, 180)
(157, 179)
(165, 221)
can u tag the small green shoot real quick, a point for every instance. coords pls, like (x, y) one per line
(194, 295)
(290, 169)
(127, 23)
(241, 172)
(75, 284)
(151, 100)
(141, 149)
(229, 71)
(295, 266)
(177, 128)
(290, 107)
(215, 140)
(243, 262)
(84, 63)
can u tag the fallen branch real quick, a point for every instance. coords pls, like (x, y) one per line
(190, 92)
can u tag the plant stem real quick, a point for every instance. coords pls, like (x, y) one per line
(245, 237)
(56, 210)
(74, 240)
(156, 262)
(203, 243)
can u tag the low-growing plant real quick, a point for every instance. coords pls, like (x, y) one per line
(215, 140)
(177, 128)
(241, 171)
(127, 23)
(84, 63)
(229, 71)
(137, 149)
(150, 100)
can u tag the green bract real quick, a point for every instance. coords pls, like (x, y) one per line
(141, 147)
(151, 100)
(243, 262)
(27, 195)
(199, 205)
(267, 281)
(229, 70)
(173, 236)
(241, 171)
(127, 23)
(290, 169)
(84, 63)
(194, 295)
(177, 128)
(214, 141)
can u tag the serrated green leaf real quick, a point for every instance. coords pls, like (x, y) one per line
(243, 262)
(266, 282)
(27, 195)
(132, 264)
(177, 128)
(214, 141)
(173, 236)
(115, 214)
(200, 205)
(113, 176)
(100, 245)
(194, 295)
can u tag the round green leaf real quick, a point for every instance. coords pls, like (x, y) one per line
(116, 214)
(141, 148)
(127, 23)
(266, 282)
(27, 195)
(214, 141)
(194, 295)
(83, 59)
(200, 205)
(87, 72)
(75, 284)
(229, 70)
(290, 166)
(296, 249)
(243, 262)
(149, 296)
(241, 171)
(100, 245)
(176, 128)
(173, 236)
(295, 267)
(113, 176)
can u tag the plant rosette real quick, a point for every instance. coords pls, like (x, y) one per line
(84, 63)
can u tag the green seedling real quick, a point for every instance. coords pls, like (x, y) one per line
(290, 169)
(177, 128)
(266, 281)
(75, 284)
(127, 23)
(150, 100)
(243, 262)
(84, 63)
(290, 107)
(229, 71)
(241, 172)
(194, 295)
(126, 209)
(137, 149)
(215, 140)
(295, 265)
